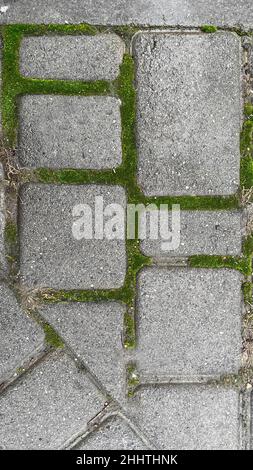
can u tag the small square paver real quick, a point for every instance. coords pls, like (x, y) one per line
(48, 406)
(114, 434)
(50, 255)
(188, 112)
(20, 336)
(94, 332)
(69, 131)
(194, 417)
(72, 57)
(200, 232)
(189, 322)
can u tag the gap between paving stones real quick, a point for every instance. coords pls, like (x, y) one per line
(125, 175)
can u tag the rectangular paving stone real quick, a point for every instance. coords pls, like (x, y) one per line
(114, 434)
(201, 232)
(188, 113)
(50, 256)
(77, 57)
(148, 12)
(20, 336)
(48, 406)
(69, 131)
(1, 55)
(94, 332)
(194, 417)
(189, 322)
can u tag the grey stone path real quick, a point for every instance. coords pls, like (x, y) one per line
(68, 378)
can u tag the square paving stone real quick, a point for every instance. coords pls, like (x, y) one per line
(188, 112)
(193, 417)
(77, 57)
(189, 322)
(69, 131)
(50, 255)
(114, 434)
(201, 232)
(48, 406)
(20, 336)
(94, 332)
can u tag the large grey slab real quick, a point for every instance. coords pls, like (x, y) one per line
(151, 12)
(114, 434)
(20, 337)
(69, 131)
(48, 406)
(72, 57)
(188, 416)
(189, 322)
(201, 232)
(188, 113)
(94, 332)
(50, 255)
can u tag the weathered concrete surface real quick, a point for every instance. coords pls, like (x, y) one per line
(72, 57)
(188, 113)
(114, 434)
(47, 407)
(189, 322)
(50, 256)
(188, 416)
(2, 223)
(201, 232)
(20, 336)
(94, 332)
(70, 132)
(150, 12)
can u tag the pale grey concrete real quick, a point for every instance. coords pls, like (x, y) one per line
(94, 332)
(48, 406)
(188, 113)
(188, 416)
(150, 12)
(201, 232)
(50, 256)
(72, 57)
(20, 336)
(114, 434)
(189, 322)
(69, 131)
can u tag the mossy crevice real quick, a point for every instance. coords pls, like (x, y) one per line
(132, 379)
(51, 337)
(208, 28)
(242, 264)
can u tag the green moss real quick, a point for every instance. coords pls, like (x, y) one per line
(208, 28)
(51, 337)
(10, 233)
(247, 292)
(246, 138)
(248, 110)
(129, 331)
(205, 261)
(246, 172)
(133, 379)
(248, 246)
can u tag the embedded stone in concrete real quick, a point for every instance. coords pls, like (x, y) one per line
(48, 406)
(50, 255)
(148, 12)
(201, 232)
(20, 336)
(77, 57)
(188, 416)
(188, 113)
(189, 322)
(94, 332)
(114, 434)
(69, 131)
